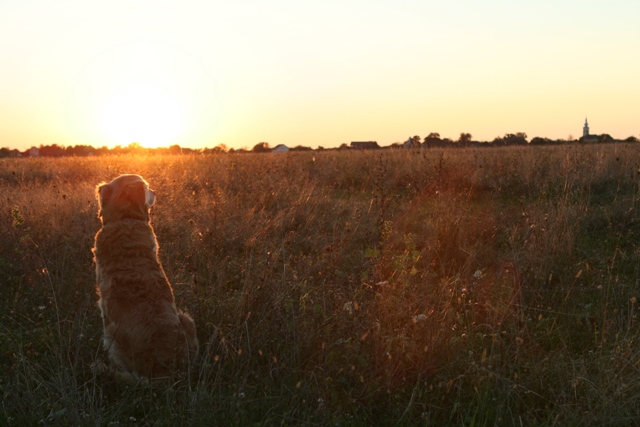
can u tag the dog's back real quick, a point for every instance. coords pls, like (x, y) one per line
(144, 332)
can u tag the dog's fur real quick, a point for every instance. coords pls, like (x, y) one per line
(144, 333)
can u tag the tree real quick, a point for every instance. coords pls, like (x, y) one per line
(218, 149)
(432, 139)
(175, 149)
(261, 147)
(301, 148)
(78, 150)
(519, 138)
(540, 141)
(415, 140)
(465, 138)
(53, 150)
(135, 147)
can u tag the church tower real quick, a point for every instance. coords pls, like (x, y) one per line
(585, 129)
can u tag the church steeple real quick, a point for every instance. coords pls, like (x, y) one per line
(585, 129)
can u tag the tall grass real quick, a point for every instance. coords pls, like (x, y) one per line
(433, 287)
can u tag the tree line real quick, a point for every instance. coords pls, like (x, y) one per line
(520, 138)
(432, 140)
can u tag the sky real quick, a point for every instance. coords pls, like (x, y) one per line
(316, 73)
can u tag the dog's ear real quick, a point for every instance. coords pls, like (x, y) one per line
(151, 197)
(103, 194)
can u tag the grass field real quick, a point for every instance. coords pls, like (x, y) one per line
(433, 287)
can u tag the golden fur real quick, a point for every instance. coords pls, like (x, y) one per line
(144, 333)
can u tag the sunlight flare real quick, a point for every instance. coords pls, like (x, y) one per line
(143, 113)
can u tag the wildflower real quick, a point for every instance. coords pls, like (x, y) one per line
(419, 318)
(478, 274)
(348, 306)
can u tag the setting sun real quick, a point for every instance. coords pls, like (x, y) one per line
(143, 113)
(146, 92)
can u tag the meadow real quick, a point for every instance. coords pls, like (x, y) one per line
(429, 287)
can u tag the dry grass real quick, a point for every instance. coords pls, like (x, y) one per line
(434, 287)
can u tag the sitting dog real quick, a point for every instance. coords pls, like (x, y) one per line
(144, 333)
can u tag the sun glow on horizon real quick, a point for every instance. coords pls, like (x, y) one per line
(145, 92)
(144, 113)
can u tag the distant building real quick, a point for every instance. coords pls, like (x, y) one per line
(281, 148)
(586, 136)
(34, 152)
(409, 143)
(585, 129)
(364, 145)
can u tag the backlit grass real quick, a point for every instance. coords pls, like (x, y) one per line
(426, 287)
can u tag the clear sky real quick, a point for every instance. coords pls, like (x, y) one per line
(317, 73)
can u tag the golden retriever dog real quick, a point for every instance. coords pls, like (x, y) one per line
(144, 333)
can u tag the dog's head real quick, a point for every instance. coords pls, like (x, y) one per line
(127, 196)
